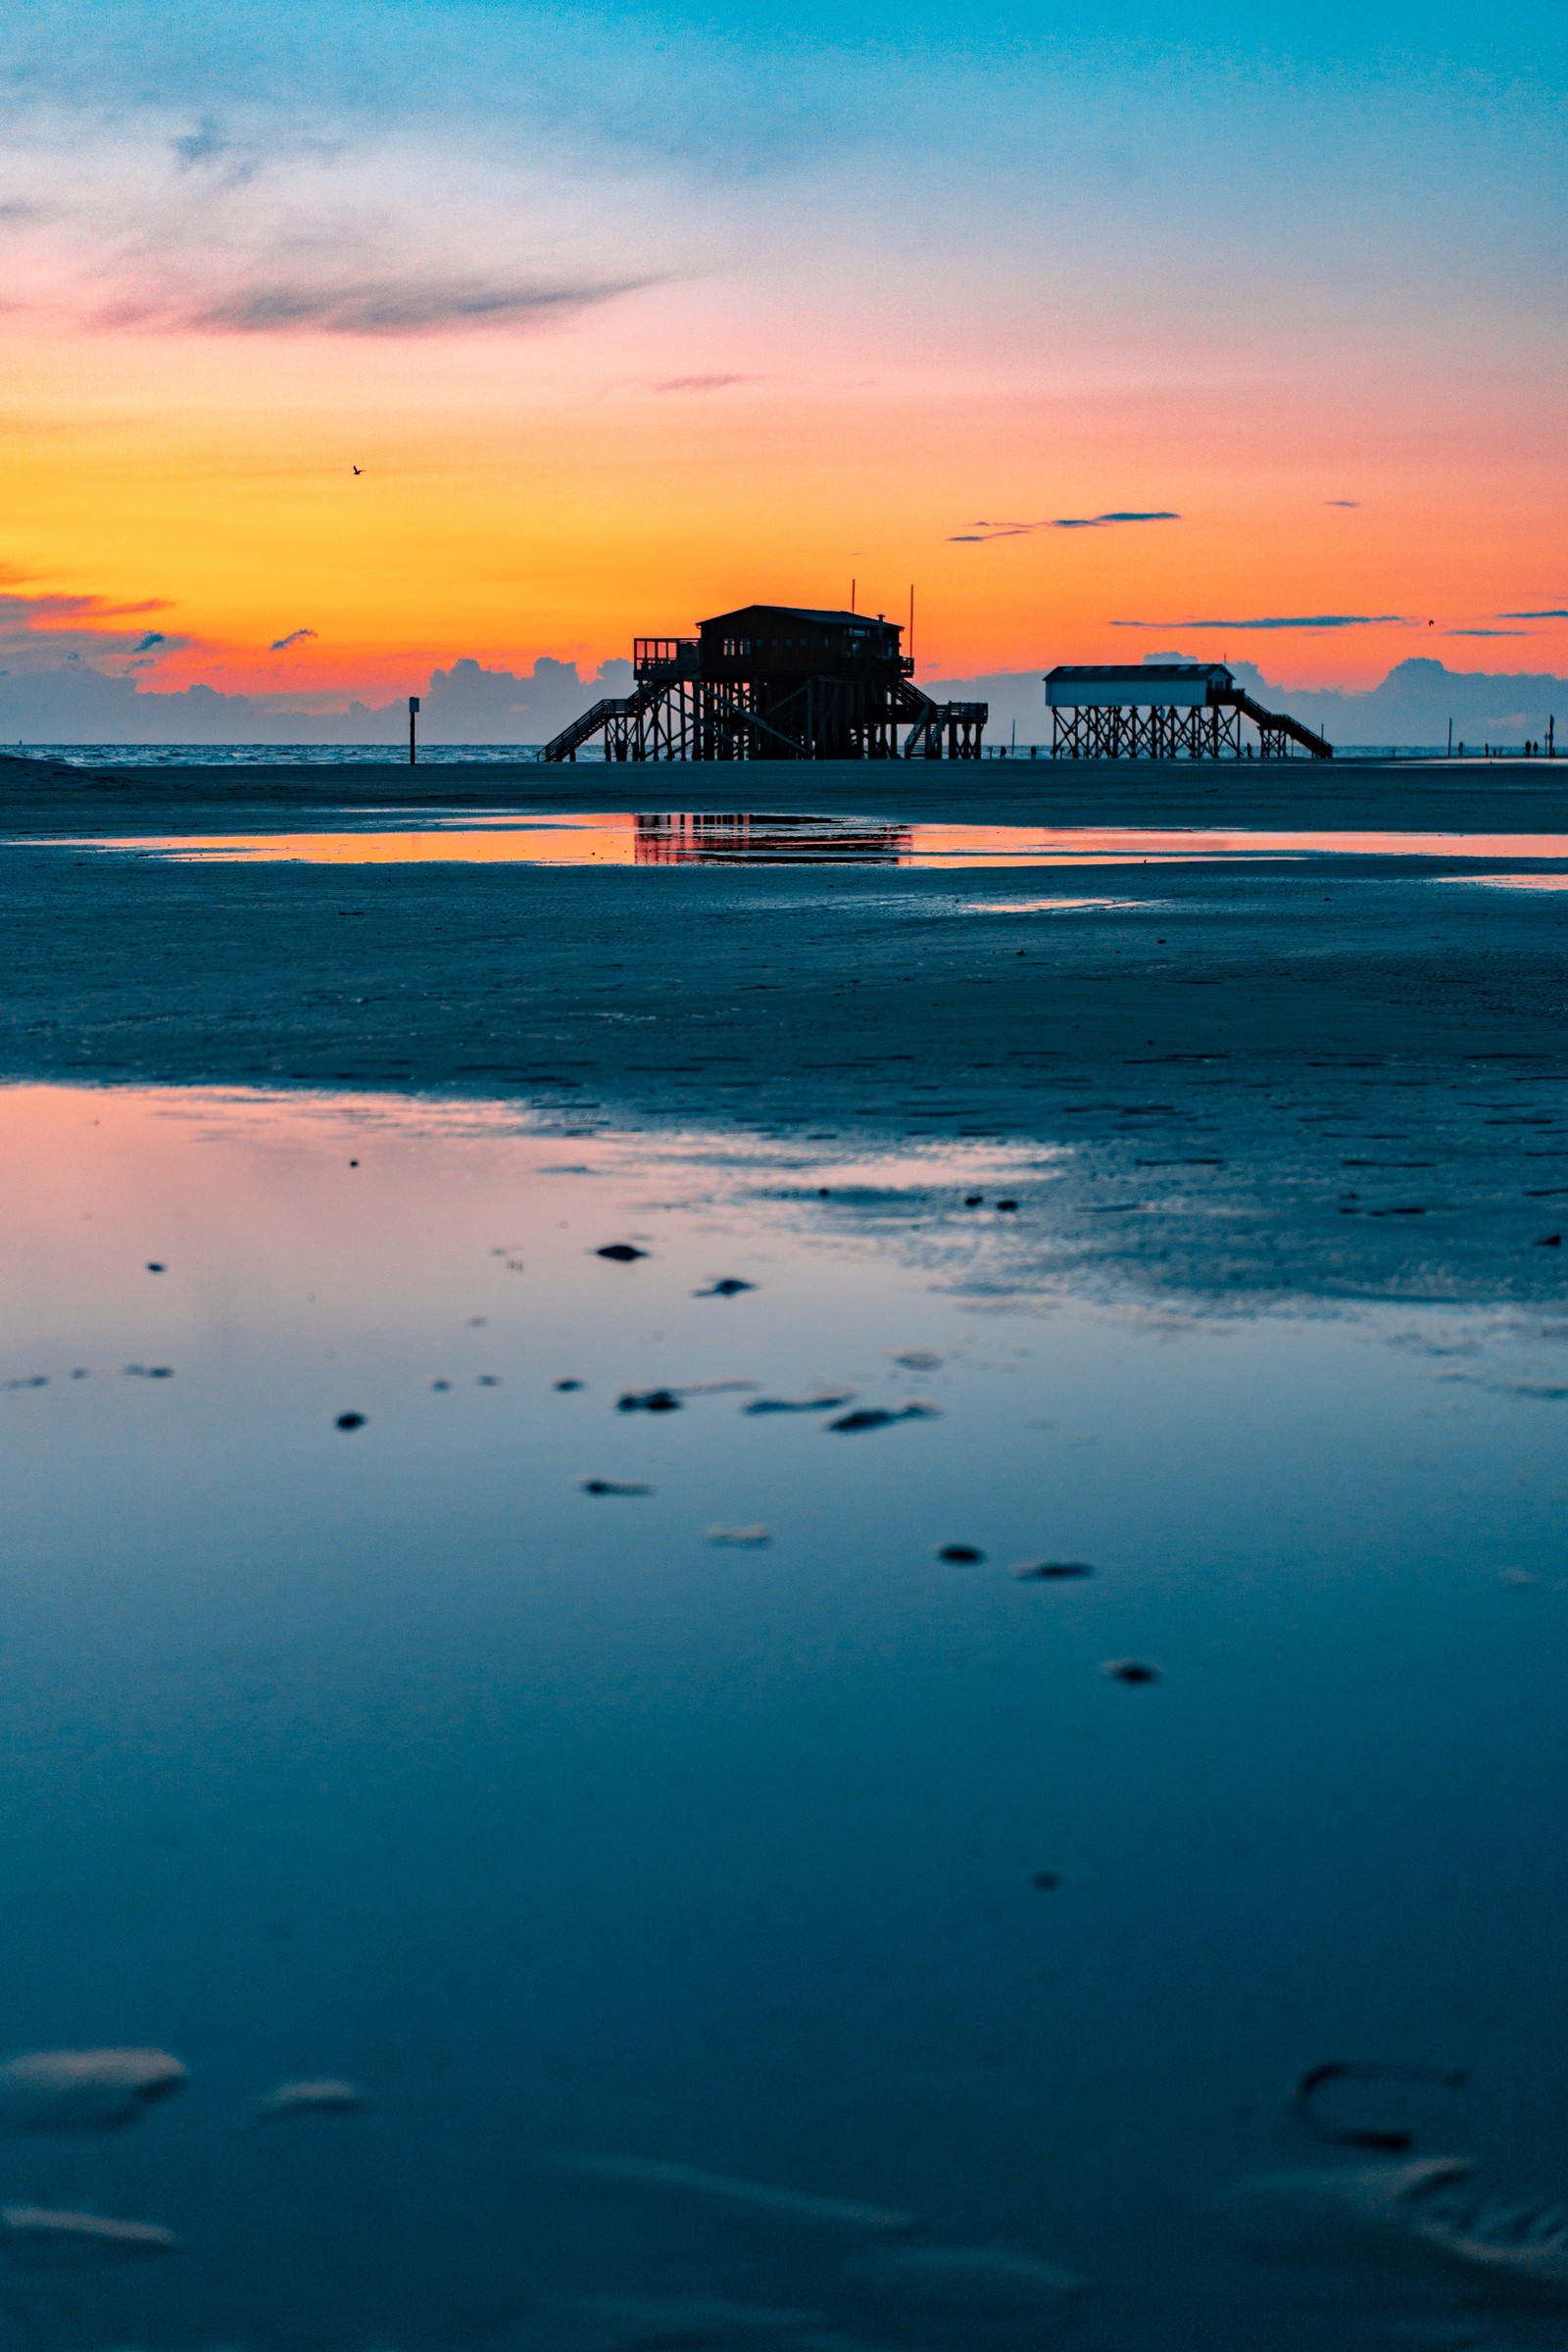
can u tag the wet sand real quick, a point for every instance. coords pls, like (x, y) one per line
(1304, 1077)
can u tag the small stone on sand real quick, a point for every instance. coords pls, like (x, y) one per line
(34, 2237)
(728, 1286)
(648, 1400)
(1130, 1670)
(821, 1400)
(876, 1416)
(962, 1556)
(563, 1386)
(1051, 1571)
(622, 1253)
(328, 2096)
(612, 1486)
(84, 2090)
(741, 1539)
(351, 1421)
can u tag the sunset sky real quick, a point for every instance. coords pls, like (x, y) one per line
(630, 315)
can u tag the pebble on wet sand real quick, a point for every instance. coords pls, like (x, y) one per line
(876, 1416)
(612, 1486)
(328, 2096)
(34, 2238)
(1130, 1670)
(741, 1539)
(728, 1286)
(84, 2090)
(1051, 1571)
(962, 1556)
(622, 1253)
(350, 1421)
(648, 1400)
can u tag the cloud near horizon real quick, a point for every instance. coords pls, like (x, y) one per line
(701, 383)
(367, 307)
(1060, 522)
(1558, 612)
(294, 637)
(1286, 621)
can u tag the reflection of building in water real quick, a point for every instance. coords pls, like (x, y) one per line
(776, 682)
(702, 839)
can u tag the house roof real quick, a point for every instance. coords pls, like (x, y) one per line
(1106, 673)
(799, 613)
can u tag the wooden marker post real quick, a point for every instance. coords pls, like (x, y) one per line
(413, 713)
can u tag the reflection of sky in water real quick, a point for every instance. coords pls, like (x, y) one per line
(621, 838)
(391, 1754)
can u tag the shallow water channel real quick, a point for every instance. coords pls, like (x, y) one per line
(741, 1923)
(621, 837)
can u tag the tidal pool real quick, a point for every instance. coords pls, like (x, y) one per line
(732, 1920)
(688, 838)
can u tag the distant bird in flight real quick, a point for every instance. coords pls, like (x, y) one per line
(359, 469)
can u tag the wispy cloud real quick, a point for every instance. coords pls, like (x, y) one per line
(41, 626)
(387, 305)
(1488, 632)
(1058, 523)
(701, 383)
(294, 637)
(1282, 621)
(1554, 613)
(1096, 522)
(1341, 502)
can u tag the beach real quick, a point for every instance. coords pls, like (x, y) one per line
(757, 1566)
(1333, 1073)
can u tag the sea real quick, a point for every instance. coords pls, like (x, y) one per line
(354, 754)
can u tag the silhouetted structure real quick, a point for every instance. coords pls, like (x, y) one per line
(776, 682)
(1165, 711)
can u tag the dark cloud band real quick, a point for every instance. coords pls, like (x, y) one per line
(1060, 522)
(1281, 620)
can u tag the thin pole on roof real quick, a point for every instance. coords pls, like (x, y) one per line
(912, 621)
(851, 596)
